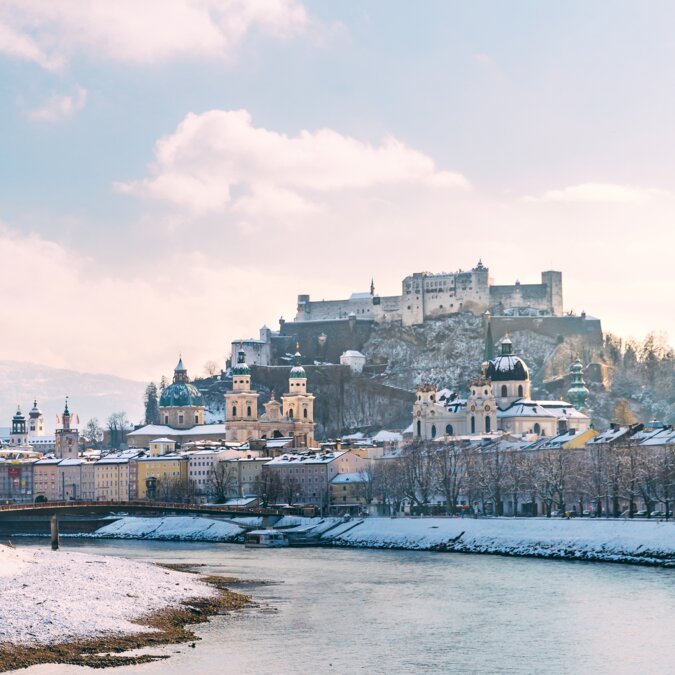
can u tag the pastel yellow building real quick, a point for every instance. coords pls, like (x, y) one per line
(155, 474)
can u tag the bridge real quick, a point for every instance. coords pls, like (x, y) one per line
(91, 508)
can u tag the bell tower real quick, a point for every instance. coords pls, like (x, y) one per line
(67, 439)
(241, 404)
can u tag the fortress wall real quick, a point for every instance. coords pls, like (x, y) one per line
(341, 334)
(552, 326)
(521, 295)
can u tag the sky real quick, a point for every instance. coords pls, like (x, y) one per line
(173, 173)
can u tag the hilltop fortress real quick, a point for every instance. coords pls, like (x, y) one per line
(427, 296)
(330, 331)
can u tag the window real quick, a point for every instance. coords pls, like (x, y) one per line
(419, 428)
(504, 391)
(290, 413)
(166, 419)
(537, 428)
(304, 413)
(473, 424)
(180, 419)
(433, 431)
(196, 419)
(520, 390)
(234, 411)
(488, 423)
(248, 411)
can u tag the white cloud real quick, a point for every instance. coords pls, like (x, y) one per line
(212, 155)
(60, 107)
(125, 323)
(48, 32)
(599, 192)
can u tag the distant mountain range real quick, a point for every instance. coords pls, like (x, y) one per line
(90, 395)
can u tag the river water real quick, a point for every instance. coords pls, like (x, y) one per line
(367, 611)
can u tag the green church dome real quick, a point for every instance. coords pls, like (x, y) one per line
(181, 395)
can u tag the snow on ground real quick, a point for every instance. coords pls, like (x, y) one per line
(181, 528)
(56, 596)
(580, 539)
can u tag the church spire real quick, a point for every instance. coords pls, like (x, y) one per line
(372, 286)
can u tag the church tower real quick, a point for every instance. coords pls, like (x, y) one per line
(67, 439)
(18, 435)
(36, 421)
(298, 405)
(241, 404)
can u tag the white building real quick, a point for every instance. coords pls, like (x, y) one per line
(498, 401)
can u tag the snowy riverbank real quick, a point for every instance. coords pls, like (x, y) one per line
(644, 542)
(57, 596)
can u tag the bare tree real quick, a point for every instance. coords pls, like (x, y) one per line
(449, 469)
(222, 481)
(210, 368)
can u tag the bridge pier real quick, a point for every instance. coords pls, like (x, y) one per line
(55, 532)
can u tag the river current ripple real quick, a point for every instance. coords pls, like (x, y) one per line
(369, 611)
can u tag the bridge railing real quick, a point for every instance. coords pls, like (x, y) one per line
(164, 506)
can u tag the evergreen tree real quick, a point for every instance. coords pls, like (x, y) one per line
(151, 404)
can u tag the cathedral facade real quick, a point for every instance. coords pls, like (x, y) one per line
(292, 416)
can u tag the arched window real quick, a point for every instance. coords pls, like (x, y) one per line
(504, 390)
(433, 431)
(488, 424)
(473, 424)
(166, 419)
(248, 411)
(290, 413)
(520, 390)
(234, 411)
(304, 413)
(537, 428)
(196, 419)
(449, 430)
(419, 428)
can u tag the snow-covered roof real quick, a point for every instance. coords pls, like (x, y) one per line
(661, 437)
(342, 478)
(242, 501)
(71, 462)
(361, 296)
(524, 408)
(306, 458)
(609, 436)
(165, 430)
(560, 440)
(354, 437)
(163, 440)
(388, 436)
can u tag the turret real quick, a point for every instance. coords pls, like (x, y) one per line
(241, 373)
(578, 391)
(297, 379)
(180, 373)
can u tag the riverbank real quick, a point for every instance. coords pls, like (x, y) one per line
(64, 607)
(626, 541)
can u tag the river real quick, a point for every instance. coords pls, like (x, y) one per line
(368, 611)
